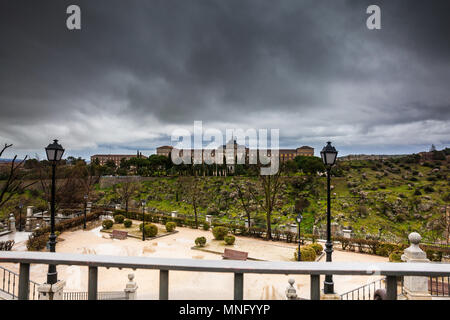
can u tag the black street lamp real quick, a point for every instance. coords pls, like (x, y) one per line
(299, 219)
(54, 154)
(143, 202)
(85, 205)
(329, 155)
(20, 215)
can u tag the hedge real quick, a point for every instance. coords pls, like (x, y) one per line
(371, 246)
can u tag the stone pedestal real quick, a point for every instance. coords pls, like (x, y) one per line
(208, 219)
(131, 288)
(446, 259)
(329, 296)
(174, 214)
(118, 207)
(416, 288)
(347, 233)
(12, 222)
(51, 291)
(293, 228)
(88, 207)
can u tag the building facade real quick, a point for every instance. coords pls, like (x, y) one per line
(116, 158)
(284, 154)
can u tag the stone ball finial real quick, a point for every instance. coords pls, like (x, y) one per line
(414, 238)
(291, 281)
(131, 276)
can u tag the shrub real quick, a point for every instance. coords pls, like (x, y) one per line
(229, 240)
(170, 226)
(200, 241)
(385, 249)
(127, 223)
(428, 189)
(318, 248)
(417, 192)
(396, 256)
(150, 230)
(219, 232)
(307, 254)
(119, 218)
(107, 224)
(206, 226)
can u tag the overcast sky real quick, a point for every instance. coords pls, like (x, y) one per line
(139, 69)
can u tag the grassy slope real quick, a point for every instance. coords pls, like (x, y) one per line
(389, 203)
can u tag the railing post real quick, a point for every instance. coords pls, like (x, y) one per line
(238, 286)
(315, 287)
(92, 288)
(391, 287)
(24, 281)
(163, 284)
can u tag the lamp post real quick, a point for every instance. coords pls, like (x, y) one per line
(299, 220)
(329, 155)
(143, 202)
(54, 153)
(20, 215)
(85, 205)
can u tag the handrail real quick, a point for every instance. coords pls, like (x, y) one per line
(9, 286)
(392, 271)
(262, 267)
(379, 282)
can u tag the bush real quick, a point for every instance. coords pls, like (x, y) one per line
(417, 192)
(428, 189)
(119, 218)
(385, 249)
(206, 226)
(396, 256)
(229, 240)
(127, 223)
(200, 241)
(219, 232)
(150, 230)
(170, 226)
(318, 248)
(307, 254)
(107, 224)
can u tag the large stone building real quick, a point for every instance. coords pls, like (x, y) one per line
(284, 154)
(116, 158)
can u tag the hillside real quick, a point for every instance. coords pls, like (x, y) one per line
(396, 196)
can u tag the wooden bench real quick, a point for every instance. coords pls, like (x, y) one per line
(234, 254)
(117, 234)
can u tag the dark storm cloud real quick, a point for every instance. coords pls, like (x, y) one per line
(151, 65)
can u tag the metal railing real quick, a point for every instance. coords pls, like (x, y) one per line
(10, 283)
(103, 295)
(365, 292)
(392, 271)
(439, 286)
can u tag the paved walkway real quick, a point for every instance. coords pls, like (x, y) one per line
(182, 284)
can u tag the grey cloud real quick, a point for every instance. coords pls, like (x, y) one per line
(150, 64)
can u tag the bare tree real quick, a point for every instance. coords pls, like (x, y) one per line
(68, 190)
(193, 192)
(126, 190)
(245, 198)
(269, 186)
(13, 183)
(88, 176)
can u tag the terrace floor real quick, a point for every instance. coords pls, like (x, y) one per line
(182, 284)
